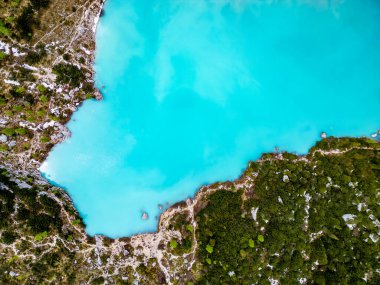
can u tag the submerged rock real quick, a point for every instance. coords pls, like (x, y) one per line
(145, 216)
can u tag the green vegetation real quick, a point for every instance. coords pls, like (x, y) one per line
(45, 139)
(25, 22)
(3, 55)
(36, 55)
(20, 131)
(8, 131)
(41, 88)
(21, 17)
(44, 99)
(4, 30)
(173, 244)
(8, 237)
(41, 236)
(68, 74)
(299, 228)
(3, 147)
(40, 4)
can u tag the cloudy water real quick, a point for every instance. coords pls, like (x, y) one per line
(193, 90)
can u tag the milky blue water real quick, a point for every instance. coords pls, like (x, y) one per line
(193, 90)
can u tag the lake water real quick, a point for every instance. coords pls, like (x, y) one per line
(193, 90)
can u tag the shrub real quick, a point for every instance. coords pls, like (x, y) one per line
(45, 139)
(98, 281)
(8, 132)
(3, 147)
(3, 55)
(17, 108)
(40, 4)
(35, 56)
(4, 30)
(173, 244)
(41, 236)
(44, 99)
(40, 223)
(41, 113)
(41, 88)
(8, 237)
(20, 131)
(25, 22)
(66, 57)
(68, 74)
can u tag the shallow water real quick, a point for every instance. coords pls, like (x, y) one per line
(195, 89)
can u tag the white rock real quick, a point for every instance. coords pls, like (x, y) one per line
(49, 86)
(349, 219)
(86, 50)
(27, 66)
(4, 47)
(375, 238)
(48, 124)
(3, 138)
(361, 206)
(254, 213)
(12, 143)
(17, 53)
(11, 82)
(23, 184)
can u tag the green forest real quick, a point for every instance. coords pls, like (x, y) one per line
(299, 233)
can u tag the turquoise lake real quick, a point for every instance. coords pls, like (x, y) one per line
(193, 90)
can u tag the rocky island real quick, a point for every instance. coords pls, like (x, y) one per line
(288, 219)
